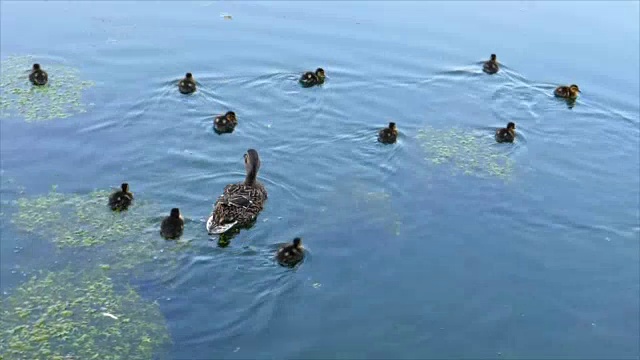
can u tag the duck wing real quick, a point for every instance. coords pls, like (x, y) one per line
(239, 205)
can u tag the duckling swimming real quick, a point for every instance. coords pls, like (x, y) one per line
(240, 203)
(225, 123)
(187, 85)
(173, 225)
(291, 254)
(389, 134)
(507, 134)
(567, 92)
(309, 78)
(491, 66)
(38, 76)
(121, 199)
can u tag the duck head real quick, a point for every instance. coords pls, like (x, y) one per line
(511, 126)
(124, 187)
(175, 213)
(251, 165)
(320, 73)
(493, 57)
(392, 126)
(574, 88)
(188, 75)
(36, 66)
(297, 242)
(230, 116)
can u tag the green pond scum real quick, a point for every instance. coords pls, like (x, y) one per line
(60, 98)
(120, 241)
(64, 315)
(72, 220)
(467, 153)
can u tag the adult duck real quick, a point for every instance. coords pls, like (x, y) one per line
(240, 203)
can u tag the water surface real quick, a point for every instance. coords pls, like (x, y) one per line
(407, 258)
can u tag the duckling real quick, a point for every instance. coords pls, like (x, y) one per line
(173, 225)
(567, 92)
(188, 84)
(389, 134)
(291, 254)
(240, 203)
(507, 134)
(121, 199)
(38, 76)
(491, 66)
(225, 123)
(309, 78)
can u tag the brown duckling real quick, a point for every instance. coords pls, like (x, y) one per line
(173, 225)
(567, 92)
(225, 123)
(291, 254)
(121, 199)
(309, 78)
(507, 134)
(491, 66)
(187, 85)
(38, 76)
(240, 203)
(389, 134)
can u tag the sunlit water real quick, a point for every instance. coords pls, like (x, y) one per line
(406, 258)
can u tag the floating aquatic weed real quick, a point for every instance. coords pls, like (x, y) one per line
(377, 205)
(469, 154)
(60, 98)
(63, 315)
(121, 241)
(132, 255)
(79, 220)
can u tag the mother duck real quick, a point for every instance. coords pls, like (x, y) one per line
(240, 203)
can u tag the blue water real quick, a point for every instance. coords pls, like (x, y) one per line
(406, 259)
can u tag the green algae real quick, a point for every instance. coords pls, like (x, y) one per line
(119, 241)
(72, 220)
(60, 98)
(467, 153)
(64, 315)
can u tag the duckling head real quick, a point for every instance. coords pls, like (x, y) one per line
(175, 213)
(392, 125)
(511, 126)
(320, 73)
(189, 75)
(125, 187)
(297, 242)
(230, 115)
(36, 66)
(574, 88)
(493, 57)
